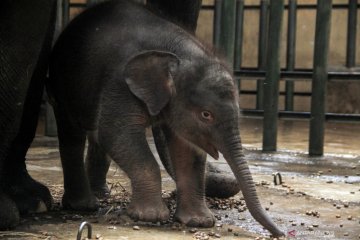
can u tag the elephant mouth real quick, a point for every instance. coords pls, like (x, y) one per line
(211, 150)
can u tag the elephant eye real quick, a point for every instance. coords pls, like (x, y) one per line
(206, 115)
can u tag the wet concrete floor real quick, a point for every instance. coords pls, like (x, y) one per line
(319, 199)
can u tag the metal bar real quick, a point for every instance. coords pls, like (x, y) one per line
(351, 34)
(217, 24)
(271, 84)
(253, 92)
(300, 7)
(239, 29)
(302, 74)
(290, 54)
(303, 6)
(66, 12)
(303, 115)
(322, 34)
(50, 122)
(227, 30)
(263, 29)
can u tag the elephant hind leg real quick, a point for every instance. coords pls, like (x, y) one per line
(77, 194)
(97, 165)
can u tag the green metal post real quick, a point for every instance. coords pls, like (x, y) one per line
(262, 45)
(271, 84)
(227, 31)
(320, 77)
(66, 12)
(217, 23)
(290, 54)
(239, 37)
(50, 122)
(351, 34)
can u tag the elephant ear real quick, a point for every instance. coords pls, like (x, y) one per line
(149, 76)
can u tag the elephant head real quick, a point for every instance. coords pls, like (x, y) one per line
(199, 100)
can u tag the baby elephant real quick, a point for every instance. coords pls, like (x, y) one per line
(118, 69)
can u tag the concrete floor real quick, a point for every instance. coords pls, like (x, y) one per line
(320, 197)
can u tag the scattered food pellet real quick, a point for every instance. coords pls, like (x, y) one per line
(267, 209)
(315, 225)
(350, 217)
(193, 230)
(230, 229)
(338, 207)
(293, 224)
(219, 225)
(346, 205)
(310, 228)
(329, 170)
(341, 225)
(346, 234)
(97, 236)
(236, 234)
(112, 227)
(217, 235)
(330, 181)
(211, 234)
(302, 224)
(338, 216)
(352, 192)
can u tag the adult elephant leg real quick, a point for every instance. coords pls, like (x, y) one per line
(24, 30)
(97, 165)
(217, 182)
(29, 195)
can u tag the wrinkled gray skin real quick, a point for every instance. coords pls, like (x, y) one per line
(118, 69)
(217, 183)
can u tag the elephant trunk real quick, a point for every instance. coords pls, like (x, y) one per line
(232, 151)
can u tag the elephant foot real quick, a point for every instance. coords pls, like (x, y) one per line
(219, 184)
(154, 211)
(85, 202)
(100, 191)
(29, 195)
(195, 216)
(9, 214)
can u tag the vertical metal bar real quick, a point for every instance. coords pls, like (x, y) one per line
(351, 34)
(227, 31)
(271, 84)
(239, 30)
(50, 123)
(66, 12)
(239, 33)
(217, 23)
(320, 77)
(263, 29)
(290, 54)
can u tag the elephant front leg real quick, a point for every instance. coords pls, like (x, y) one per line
(189, 169)
(128, 147)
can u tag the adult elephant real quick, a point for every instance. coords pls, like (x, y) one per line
(26, 32)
